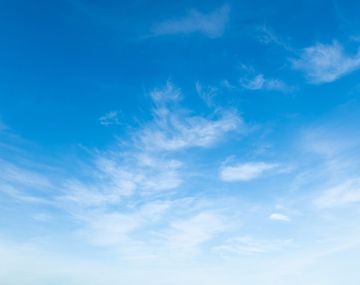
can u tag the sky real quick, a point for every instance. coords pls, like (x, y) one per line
(179, 142)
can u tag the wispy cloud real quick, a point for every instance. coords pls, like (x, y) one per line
(115, 179)
(324, 63)
(265, 35)
(187, 235)
(245, 171)
(112, 202)
(207, 93)
(211, 24)
(114, 228)
(339, 195)
(249, 246)
(174, 129)
(110, 118)
(118, 175)
(254, 81)
(326, 141)
(25, 182)
(279, 217)
(21, 176)
(259, 82)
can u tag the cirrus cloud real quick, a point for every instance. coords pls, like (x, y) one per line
(211, 25)
(324, 63)
(245, 171)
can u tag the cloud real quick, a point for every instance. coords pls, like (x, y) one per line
(168, 93)
(140, 170)
(211, 24)
(171, 132)
(249, 246)
(266, 35)
(114, 228)
(174, 129)
(259, 82)
(245, 171)
(22, 176)
(114, 180)
(207, 94)
(324, 63)
(129, 196)
(335, 136)
(189, 234)
(279, 217)
(110, 118)
(108, 200)
(340, 195)
(23, 183)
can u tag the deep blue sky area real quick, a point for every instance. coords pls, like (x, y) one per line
(62, 58)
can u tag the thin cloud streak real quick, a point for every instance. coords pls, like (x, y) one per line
(245, 171)
(211, 25)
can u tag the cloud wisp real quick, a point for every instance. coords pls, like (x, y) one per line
(246, 245)
(245, 171)
(211, 25)
(129, 189)
(343, 194)
(325, 63)
(260, 82)
(279, 217)
(175, 129)
(110, 118)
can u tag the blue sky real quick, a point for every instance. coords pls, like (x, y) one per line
(179, 142)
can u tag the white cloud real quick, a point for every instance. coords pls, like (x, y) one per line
(211, 24)
(113, 180)
(111, 198)
(189, 234)
(279, 217)
(206, 93)
(116, 227)
(110, 118)
(259, 82)
(167, 93)
(249, 246)
(266, 35)
(116, 176)
(245, 171)
(342, 194)
(41, 217)
(21, 176)
(173, 132)
(323, 63)
(174, 128)
(24, 183)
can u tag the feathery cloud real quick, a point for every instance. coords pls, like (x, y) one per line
(259, 82)
(324, 63)
(113, 228)
(249, 246)
(188, 234)
(245, 171)
(279, 217)
(342, 194)
(211, 24)
(110, 118)
(21, 176)
(174, 129)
